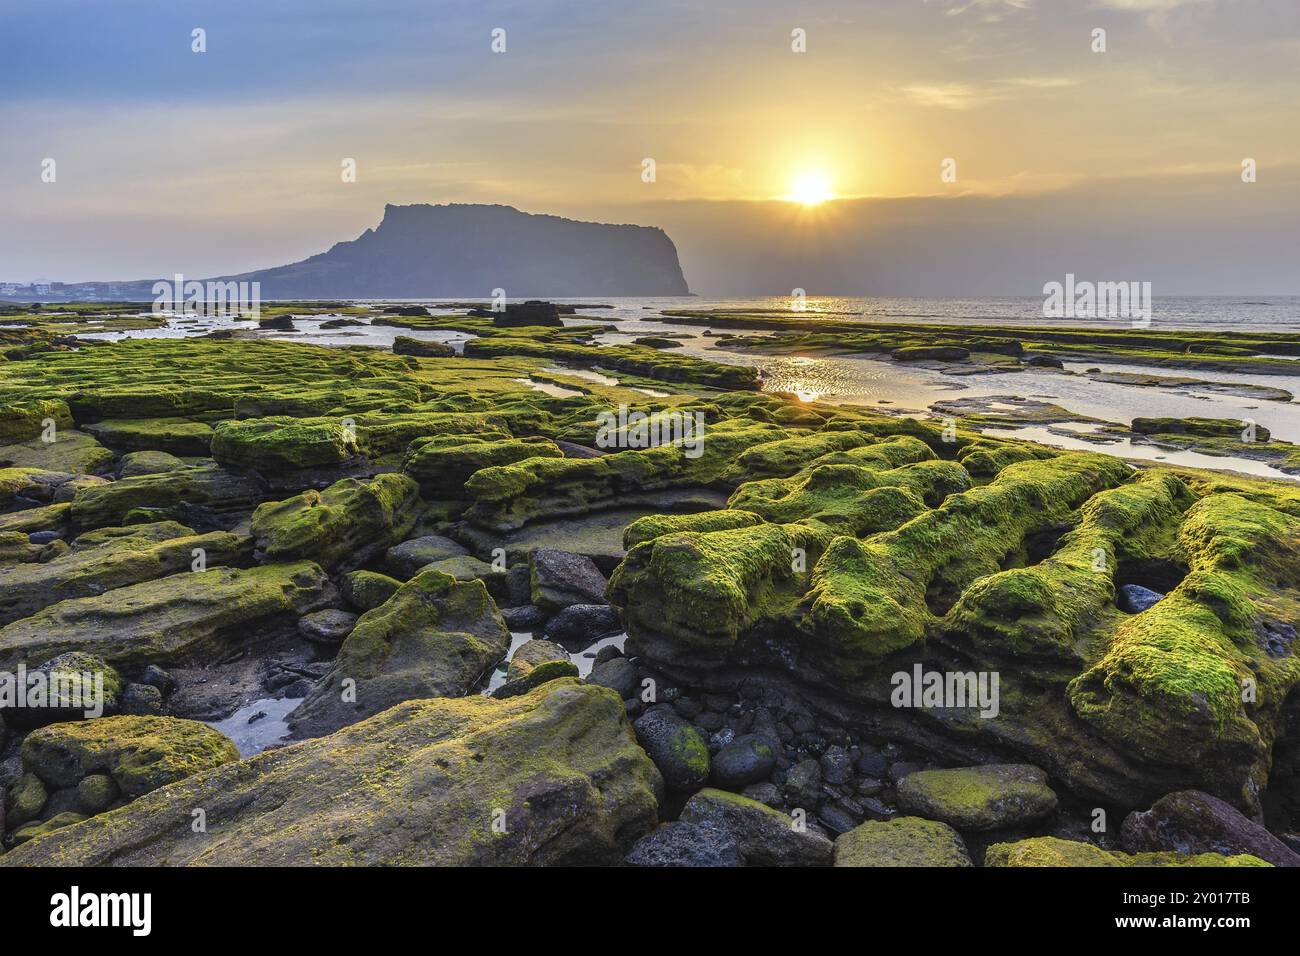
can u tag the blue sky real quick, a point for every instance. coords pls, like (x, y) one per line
(218, 162)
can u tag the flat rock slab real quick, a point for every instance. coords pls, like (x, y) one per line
(416, 785)
(979, 798)
(190, 617)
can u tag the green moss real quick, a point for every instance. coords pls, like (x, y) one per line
(1054, 851)
(442, 466)
(140, 753)
(345, 524)
(283, 444)
(656, 525)
(22, 421)
(179, 436)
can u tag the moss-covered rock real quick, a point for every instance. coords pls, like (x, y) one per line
(100, 561)
(902, 841)
(557, 770)
(282, 444)
(140, 754)
(435, 637)
(341, 527)
(441, 466)
(183, 618)
(21, 421)
(170, 493)
(991, 797)
(71, 451)
(178, 436)
(764, 837)
(366, 590)
(1054, 851)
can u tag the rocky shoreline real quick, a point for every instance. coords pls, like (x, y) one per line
(511, 633)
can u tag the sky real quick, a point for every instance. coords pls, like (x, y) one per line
(1122, 164)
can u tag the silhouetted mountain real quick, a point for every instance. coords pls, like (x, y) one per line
(469, 250)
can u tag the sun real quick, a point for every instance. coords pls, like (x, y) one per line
(811, 189)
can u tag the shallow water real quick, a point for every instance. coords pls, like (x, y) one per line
(909, 389)
(253, 738)
(584, 658)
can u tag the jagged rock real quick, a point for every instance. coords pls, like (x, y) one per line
(978, 798)
(140, 753)
(341, 527)
(1194, 822)
(435, 637)
(561, 578)
(902, 841)
(183, 618)
(685, 844)
(405, 560)
(1054, 851)
(560, 763)
(676, 747)
(764, 837)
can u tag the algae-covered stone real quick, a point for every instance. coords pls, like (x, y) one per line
(902, 841)
(342, 526)
(532, 653)
(418, 784)
(139, 753)
(56, 822)
(96, 793)
(98, 563)
(179, 436)
(746, 760)
(75, 685)
(171, 491)
(25, 799)
(979, 798)
(147, 463)
(280, 443)
(1054, 851)
(20, 421)
(184, 618)
(71, 451)
(677, 748)
(405, 560)
(435, 637)
(443, 465)
(764, 837)
(366, 590)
